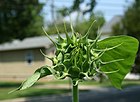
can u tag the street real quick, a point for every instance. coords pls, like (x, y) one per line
(112, 95)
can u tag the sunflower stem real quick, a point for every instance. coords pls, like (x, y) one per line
(75, 93)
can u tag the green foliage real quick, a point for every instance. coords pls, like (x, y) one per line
(20, 19)
(76, 7)
(130, 20)
(51, 29)
(78, 57)
(130, 26)
(117, 29)
(125, 51)
(83, 26)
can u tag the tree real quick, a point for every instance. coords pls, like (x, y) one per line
(130, 20)
(76, 7)
(51, 29)
(118, 29)
(83, 26)
(131, 26)
(20, 19)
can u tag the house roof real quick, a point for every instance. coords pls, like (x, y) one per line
(33, 42)
(107, 27)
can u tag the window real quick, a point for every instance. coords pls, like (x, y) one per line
(29, 57)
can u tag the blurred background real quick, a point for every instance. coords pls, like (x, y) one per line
(22, 37)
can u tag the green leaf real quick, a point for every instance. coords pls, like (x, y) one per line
(30, 81)
(44, 71)
(39, 73)
(126, 51)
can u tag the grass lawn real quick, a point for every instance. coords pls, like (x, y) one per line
(30, 92)
(6, 87)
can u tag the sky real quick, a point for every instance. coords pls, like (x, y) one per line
(109, 8)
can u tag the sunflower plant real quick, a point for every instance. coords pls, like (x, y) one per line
(79, 57)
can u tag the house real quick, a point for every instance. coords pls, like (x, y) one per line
(19, 59)
(107, 27)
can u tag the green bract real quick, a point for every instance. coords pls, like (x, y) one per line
(78, 57)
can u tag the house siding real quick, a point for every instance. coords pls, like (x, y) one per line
(14, 64)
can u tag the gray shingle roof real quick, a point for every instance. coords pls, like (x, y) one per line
(33, 42)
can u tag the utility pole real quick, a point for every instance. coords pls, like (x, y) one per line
(52, 11)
